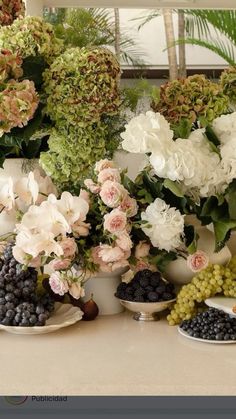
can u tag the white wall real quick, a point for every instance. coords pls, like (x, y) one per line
(151, 39)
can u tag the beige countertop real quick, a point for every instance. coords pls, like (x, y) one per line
(115, 355)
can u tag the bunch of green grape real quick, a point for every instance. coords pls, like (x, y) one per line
(215, 279)
(229, 285)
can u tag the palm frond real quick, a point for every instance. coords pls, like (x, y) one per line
(224, 49)
(222, 21)
(146, 18)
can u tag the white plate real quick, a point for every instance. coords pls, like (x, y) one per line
(219, 342)
(64, 315)
(222, 303)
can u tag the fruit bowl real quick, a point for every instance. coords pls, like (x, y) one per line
(146, 311)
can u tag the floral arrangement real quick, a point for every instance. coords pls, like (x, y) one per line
(31, 36)
(190, 101)
(11, 10)
(228, 83)
(197, 175)
(104, 228)
(82, 86)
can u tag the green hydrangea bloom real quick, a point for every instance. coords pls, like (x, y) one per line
(73, 152)
(228, 82)
(82, 85)
(194, 98)
(31, 36)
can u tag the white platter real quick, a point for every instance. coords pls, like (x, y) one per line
(64, 315)
(216, 342)
(222, 303)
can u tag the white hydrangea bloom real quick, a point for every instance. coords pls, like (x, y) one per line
(146, 133)
(225, 126)
(165, 225)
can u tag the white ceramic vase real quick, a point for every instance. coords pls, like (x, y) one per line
(231, 243)
(134, 162)
(14, 168)
(178, 272)
(103, 286)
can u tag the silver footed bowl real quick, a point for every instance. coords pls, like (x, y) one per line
(146, 311)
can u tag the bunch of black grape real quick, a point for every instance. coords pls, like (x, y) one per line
(146, 287)
(19, 303)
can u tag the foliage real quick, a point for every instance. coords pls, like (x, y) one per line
(89, 27)
(221, 40)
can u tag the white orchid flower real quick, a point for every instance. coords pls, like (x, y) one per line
(27, 189)
(7, 197)
(72, 207)
(45, 217)
(36, 244)
(46, 186)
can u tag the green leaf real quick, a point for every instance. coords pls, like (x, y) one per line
(191, 238)
(222, 228)
(33, 68)
(129, 184)
(183, 129)
(211, 136)
(162, 260)
(208, 206)
(173, 187)
(153, 187)
(231, 199)
(31, 150)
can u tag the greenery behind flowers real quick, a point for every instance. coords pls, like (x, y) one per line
(84, 106)
(34, 43)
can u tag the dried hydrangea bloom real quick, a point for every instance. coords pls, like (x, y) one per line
(18, 103)
(194, 98)
(82, 85)
(11, 10)
(10, 65)
(31, 36)
(228, 82)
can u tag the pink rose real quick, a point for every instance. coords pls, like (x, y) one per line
(198, 261)
(104, 164)
(57, 284)
(84, 195)
(142, 250)
(59, 264)
(124, 241)
(76, 290)
(115, 221)
(110, 254)
(69, 247)
(142, 264)
(96, 259)
(80, 229)
(112, 193)
(92, 187)
(129, 205)
(109, 174)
